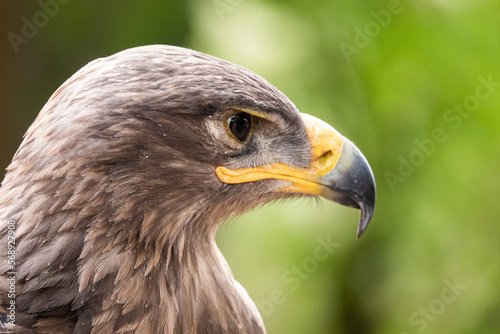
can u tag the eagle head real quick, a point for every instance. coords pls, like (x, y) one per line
(121, 182)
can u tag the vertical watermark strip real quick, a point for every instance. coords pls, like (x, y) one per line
(11, 263)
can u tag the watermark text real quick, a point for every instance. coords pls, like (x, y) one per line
(31, 26)
(11, 274)
(294, 277)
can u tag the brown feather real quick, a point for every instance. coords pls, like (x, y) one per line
(116, 203)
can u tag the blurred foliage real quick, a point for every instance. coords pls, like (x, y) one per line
(428, 261)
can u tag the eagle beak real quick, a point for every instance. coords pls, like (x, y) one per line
(351, 183)
(338, 172)
(343, 173)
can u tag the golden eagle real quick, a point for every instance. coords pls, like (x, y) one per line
(109, 209)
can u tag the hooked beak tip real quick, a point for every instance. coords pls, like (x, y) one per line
(365, 216)
(351, 183)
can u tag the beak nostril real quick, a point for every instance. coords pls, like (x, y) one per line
(325, 158)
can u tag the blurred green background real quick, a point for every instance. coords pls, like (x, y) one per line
(415, 84)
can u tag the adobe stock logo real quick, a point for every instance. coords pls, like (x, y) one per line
(453, 119)
(425, 315)
(30, 28)
(293, 277)
(223, 6)
(364, 37)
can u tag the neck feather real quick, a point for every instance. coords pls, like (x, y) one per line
(177, 283)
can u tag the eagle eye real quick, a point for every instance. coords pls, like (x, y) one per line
(240, 126)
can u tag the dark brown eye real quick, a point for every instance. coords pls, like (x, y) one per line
(240, 125)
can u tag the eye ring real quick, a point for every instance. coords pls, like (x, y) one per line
(240, 126)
